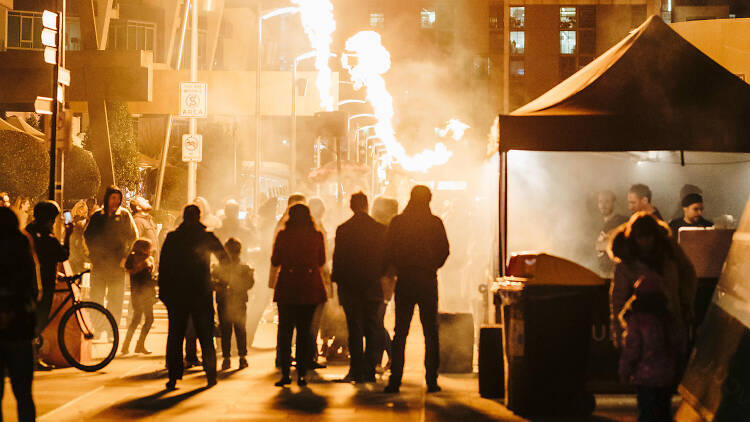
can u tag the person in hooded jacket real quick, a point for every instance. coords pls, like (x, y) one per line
(185, 288)
(416, 246)
(19, 291)
(109, 235)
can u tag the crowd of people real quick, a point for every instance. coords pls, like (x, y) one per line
(652, 293)
(201, 269)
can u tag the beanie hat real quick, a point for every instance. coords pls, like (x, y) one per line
(690, 199)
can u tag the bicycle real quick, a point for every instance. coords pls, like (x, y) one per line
(84, 322)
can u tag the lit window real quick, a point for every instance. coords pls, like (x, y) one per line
(517, 17)
(377, 20)
(517, 42)
(427, 17)
(567, 42)
(567, 17)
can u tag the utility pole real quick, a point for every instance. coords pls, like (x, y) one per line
(193, 165)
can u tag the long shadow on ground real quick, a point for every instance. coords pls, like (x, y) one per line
(146, 405)
(305, 401)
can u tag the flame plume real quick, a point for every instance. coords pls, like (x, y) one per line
(373, 60)
(319, 24)
(454, 126)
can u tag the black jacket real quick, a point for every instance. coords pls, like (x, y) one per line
(109, 239)
(416, 242)
(49, 252)
(358, 258)
(185, 266)
(18, 287)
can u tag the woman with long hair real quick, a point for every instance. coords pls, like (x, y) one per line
(644, 248)
(299, 253)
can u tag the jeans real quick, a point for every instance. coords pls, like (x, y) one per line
(362, 321)
(385, 342)
(17, 361)
(409, 293)
(108, 280)
(654, 404)
(232, 317)
(142, 308)
(293, 317)
(203, 319)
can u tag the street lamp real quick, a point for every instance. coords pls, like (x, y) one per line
(262, 16)
(293, 163)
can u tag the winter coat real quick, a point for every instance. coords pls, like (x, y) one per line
(147, 228)
(142, 283)
(185, 266)
(18, 287)
(232, 281)
(416, 242)
(680, 285)
(49, 253)
(109, 239)
(358, 259)
(648, 357)
(299, 253)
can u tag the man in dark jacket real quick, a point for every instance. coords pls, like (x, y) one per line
(49, 252)
(185, 288)
(416, 246)
(19, 288)
(357, 267)
(109, 235)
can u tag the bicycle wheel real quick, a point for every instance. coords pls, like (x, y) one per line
(88, 336)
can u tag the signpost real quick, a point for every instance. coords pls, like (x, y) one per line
(192, 148)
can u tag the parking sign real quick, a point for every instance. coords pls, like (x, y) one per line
(193, 99)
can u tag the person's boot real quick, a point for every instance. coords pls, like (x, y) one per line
(285, 380)
(226, 364)
(126, 344)
(243, 362)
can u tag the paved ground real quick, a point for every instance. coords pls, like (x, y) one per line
(133, 388)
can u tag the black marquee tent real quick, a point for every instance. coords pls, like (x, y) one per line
(652, 91)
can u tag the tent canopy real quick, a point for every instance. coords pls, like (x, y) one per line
(651, 91)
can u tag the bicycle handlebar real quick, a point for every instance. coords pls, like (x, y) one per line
(73, 278)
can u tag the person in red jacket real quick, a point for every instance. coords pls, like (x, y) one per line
(299, 252)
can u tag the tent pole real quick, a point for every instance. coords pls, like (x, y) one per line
(503, 211)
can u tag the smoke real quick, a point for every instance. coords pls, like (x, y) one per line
(552, 196)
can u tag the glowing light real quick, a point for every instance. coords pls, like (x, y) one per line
(319, 24)
(456, 127)
(372, 61)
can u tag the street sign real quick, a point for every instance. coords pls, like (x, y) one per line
(193, 99)
(43, 105)
(50, 55)
(63, 76)
(192, 148)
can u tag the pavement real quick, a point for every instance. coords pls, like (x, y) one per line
(132, 388)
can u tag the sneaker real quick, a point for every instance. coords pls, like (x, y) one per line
(171, 385)
(285, 380)
(226, 364)
(433, 388)
(142, 349)
(243, 362)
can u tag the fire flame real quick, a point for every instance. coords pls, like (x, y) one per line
(319, 24)
(454, 126)
(373, 60)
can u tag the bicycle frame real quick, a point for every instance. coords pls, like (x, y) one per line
(87, 334)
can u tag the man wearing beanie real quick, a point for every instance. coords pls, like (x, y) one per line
(692, 214)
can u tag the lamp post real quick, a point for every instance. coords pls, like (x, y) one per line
(293, 160)
(193, 125)
(262, 16)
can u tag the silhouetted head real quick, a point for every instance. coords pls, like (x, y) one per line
(232, 209)
(142, 246)
(358, 203)
(420, 198)
(112, 200)
(191, 214)
(647, 238)
(45, 212)
(8, 220)
(296, 198)
(233, 247)
(299, 217)
(317, 209)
